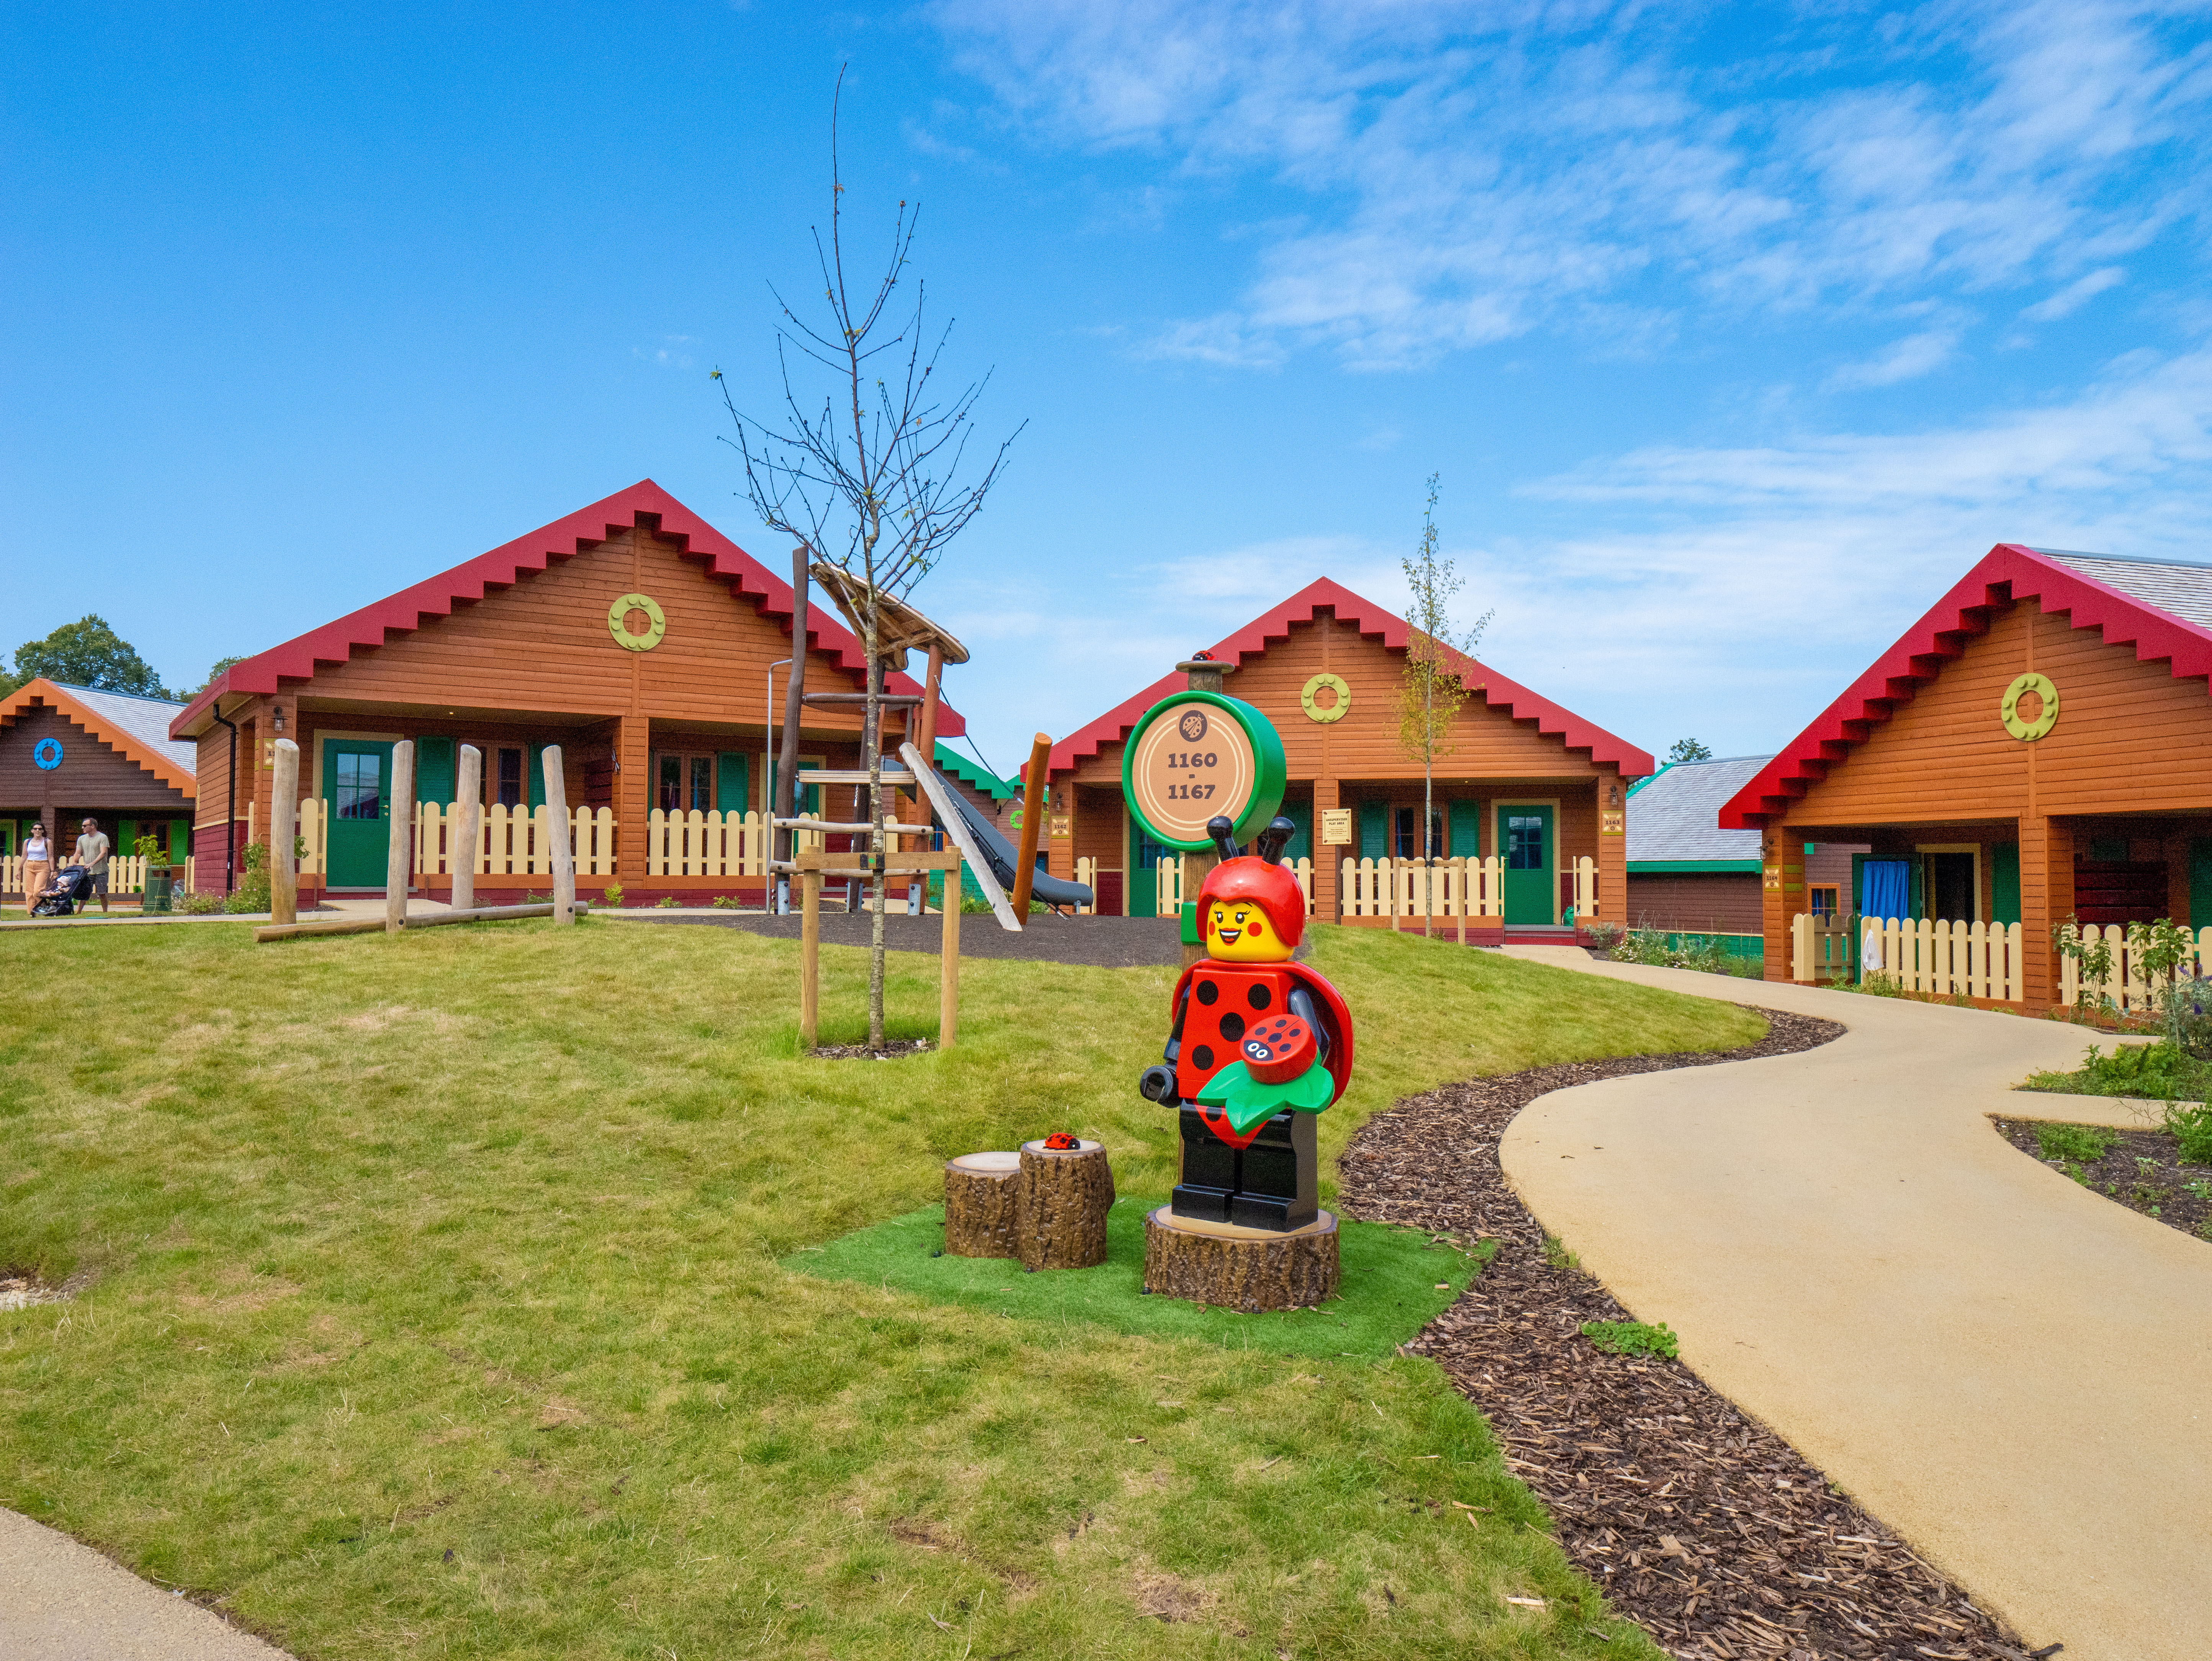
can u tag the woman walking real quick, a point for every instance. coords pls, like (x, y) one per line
(37, 865)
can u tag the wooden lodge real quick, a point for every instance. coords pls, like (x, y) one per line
(2037, 748)
(646, 644)
(1529, 802)
(70, 753)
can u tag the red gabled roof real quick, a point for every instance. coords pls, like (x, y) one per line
(41, 692)
(2007, 574)
(564, 539)
(1375, 623)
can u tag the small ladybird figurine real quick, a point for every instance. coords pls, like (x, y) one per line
(1259, 1045)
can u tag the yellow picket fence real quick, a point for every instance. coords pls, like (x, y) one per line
(697, 843)
(1456, 887)
(2127, 986)
(1168, 895)
(127, 874)
(1946, 959)
(513, 841)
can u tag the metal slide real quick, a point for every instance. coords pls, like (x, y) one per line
(994, 859)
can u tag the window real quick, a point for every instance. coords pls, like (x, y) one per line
(361, 787)
(1524, 843)
(510, 778)
(1409, 834)
(683, 783)
(1822, 898)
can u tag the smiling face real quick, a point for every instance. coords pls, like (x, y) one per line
(1237, 931)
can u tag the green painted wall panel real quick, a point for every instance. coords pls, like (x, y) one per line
(2004, 882)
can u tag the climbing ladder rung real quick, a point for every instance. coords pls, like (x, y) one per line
(854, 776)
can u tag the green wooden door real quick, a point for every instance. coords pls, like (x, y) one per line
(356, 789)
(1140, 895)
(1525, 837)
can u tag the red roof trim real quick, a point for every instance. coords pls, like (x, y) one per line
(2008, 574)
(1374, 622)
(298, 659)
(43, 693)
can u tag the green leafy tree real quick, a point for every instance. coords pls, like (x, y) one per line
(217, 667)
(1431, 693)
(1689, 750)
(88, 653)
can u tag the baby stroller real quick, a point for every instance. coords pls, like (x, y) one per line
(70, 888)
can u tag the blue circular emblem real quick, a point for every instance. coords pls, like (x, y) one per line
(48, 752)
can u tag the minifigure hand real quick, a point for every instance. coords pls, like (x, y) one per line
(1157, 1084)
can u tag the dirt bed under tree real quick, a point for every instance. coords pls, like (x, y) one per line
(1702, 1525)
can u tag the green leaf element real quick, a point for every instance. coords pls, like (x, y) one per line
(1244, 1101)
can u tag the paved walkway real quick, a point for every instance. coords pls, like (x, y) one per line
(2013, 1373)
(60, 1601)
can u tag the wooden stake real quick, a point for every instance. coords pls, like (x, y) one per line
(1032, 815)
(928, 743)
(810, 955)
(468, 835)
(283, 835)
(564, 856)
(948, 961)
(398, 863)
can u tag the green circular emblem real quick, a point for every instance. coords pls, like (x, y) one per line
(2024, 727)
(618, 623)
(1197, 756)
(1326, 713)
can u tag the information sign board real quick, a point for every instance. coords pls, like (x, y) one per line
(1196, 756)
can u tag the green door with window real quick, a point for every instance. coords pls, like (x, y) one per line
(1525, 839)
(358, 793)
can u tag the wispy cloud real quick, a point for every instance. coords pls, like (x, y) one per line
(2074, 295)
(1480, 172)
(1904, 360)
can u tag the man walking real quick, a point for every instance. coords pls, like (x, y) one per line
(91, 851)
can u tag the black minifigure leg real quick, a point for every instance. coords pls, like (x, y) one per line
(1278, 1185)
(1209, 1172)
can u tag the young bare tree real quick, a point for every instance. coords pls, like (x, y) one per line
(1431, 692)
(862, 465)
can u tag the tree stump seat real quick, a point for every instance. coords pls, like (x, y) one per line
(1248, 1270)
(1046, 1207)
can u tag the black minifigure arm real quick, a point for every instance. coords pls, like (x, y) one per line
(1301, 1006)
(1173, 1053)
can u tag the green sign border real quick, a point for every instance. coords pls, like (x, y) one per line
(1271, 772)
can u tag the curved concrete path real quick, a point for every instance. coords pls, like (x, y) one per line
(2014, 1373)
(61, 1601)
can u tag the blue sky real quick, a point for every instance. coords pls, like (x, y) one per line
(1735, 333)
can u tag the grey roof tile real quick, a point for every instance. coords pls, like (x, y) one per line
(147, 721)
(2174, 587)
(1675, 814)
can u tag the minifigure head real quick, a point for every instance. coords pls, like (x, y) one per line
(1251, 911)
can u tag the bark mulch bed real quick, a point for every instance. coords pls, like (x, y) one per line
(2143, 1170)
(1702, 1525)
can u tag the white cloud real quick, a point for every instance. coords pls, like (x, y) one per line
(2074, 295)
(1903, 360)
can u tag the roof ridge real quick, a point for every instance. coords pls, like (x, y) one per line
(111, 692)
(2121, 559)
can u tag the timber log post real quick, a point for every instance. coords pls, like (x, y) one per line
(982, 1194)
(1064, 1195)
(1249, 1270)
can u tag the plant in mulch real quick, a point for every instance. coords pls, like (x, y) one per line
(2159, 1173)
(1701, 1524)
(1633, 1338)
(2083, 1142)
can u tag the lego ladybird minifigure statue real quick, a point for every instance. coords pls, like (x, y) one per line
(1259, 1045)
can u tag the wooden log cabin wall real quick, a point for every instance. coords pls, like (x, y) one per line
(1326, 666)
(2039, 746)
(642, 642)
(70, 753)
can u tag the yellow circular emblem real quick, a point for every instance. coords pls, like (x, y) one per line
(618, 623)
(1325, 713)
(2024, 727)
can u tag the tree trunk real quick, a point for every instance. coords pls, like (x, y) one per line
(1240, 1268)
(982, 1192)
(785, 802)
(1064, 1197)
(873, 740)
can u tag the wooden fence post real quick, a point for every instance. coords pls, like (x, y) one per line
(283, 833)
(810, 955)
(398, 863)
(468, 835)
(948, 959)
(564, 857)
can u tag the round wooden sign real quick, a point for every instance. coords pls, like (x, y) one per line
(1197, 756)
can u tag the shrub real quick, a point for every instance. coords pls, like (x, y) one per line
(2134, 1069)
(200, 906)
(2192, 1128)
(1603, 936)
(724, 902)
(666, 903)
(2085, 1144)
(1631, 1338)
(252, 893)
(614, 893)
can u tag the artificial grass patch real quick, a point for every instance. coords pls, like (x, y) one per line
(1396, 1281)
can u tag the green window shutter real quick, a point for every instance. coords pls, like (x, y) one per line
(537, 764)
(2004, 882)
(1374, 830)
(1919, 902)
(2200, 882)
(732, 776)
(1464, 832)
(127, 833)
(180, 840)
(1300, 847)
(433, 770)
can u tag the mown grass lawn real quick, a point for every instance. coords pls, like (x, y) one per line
(431, 1307)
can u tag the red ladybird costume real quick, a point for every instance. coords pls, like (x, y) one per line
(1259, 1045)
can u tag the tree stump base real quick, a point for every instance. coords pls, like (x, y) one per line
(1059, 1217)
(982, 1194)
(1250, 1269)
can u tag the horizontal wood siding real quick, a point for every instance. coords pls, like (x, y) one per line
(2129, 738)
(1723, 902)
(91, 775)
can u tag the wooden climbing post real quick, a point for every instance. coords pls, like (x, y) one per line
(283, 836)
(564, 856)
(398, 857)
(948, 959)
(810, 955)
(464, 840)
(1032, 817)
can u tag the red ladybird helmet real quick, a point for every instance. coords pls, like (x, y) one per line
(1253, 881)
